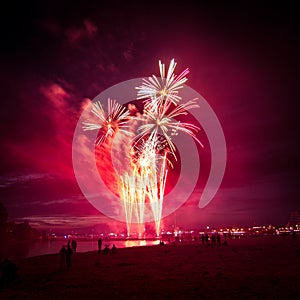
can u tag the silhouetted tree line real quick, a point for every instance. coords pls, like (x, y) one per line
(13, 235)
(21, 231)
(14, 231)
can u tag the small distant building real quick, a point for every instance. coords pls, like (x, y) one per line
(294, 220)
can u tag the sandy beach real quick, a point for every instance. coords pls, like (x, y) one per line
(247, 268)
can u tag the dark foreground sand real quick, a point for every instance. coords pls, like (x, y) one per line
(250, 268)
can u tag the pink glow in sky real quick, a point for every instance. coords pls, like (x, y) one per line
(243, 59)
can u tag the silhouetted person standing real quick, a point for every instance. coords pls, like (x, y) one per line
(74, 245)
(206, 238)
(213, 239)
(69, 253)
(113, 249)
(218, 239)
(62, 257)
(203, 239)
(99, 245)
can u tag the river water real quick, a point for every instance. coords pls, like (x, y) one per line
(36, 248)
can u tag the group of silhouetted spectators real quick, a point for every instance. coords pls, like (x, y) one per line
(106, 249)
(66, 254)
(214, 239)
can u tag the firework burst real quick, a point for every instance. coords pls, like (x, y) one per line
(161, 121)
(145, 181)
(148, 150)
(164, 89)
(115, 119)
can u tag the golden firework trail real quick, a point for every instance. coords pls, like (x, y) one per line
(145, 183)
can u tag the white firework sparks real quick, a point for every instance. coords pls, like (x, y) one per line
(160, 121)
(164, 89)
(115, 119)
(150, 151)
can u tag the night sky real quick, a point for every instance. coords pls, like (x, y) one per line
(243, 59)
